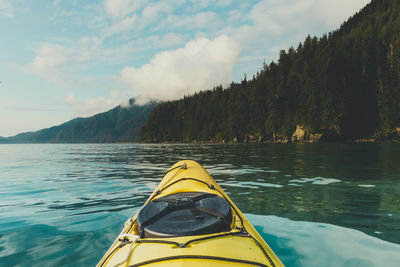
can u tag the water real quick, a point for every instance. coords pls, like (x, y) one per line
(315, 204)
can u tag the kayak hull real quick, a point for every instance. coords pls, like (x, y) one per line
(240, 246)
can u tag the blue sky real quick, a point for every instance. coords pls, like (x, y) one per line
(66, 58)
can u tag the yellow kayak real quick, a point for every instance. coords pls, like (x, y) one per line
(189, 221)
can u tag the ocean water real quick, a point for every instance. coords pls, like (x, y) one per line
(314, 204)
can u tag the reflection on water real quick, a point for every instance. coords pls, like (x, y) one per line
(316, 244)
(313, 203)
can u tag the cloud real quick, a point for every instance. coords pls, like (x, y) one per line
(123, 25)
(136, 18)
(6, 8)
(152, 12)
(133, 16)
(283, 17)
(200, 4)
(92, 106)
(333, 13)
(201, 20)
(49, 56)
(56, 62)
(200, 65)
(280, 24)
(251, 24)
(118, 9)
(49, 62)
(160, 25)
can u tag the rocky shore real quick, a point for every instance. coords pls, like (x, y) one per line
(303, 135)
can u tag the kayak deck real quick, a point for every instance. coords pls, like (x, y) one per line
(239, 246)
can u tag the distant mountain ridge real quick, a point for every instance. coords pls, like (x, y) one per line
(344, 85)
(120, 124)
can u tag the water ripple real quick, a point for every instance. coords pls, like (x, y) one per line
(332, 204)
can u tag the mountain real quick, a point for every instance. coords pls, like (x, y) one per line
(344, 85)
(120, 124)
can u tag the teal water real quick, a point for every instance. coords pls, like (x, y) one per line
(315, 204)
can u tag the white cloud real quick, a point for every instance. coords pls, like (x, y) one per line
(152, 12)
(201, 20)
(70, 65)
(276, 17)
(123, 25)
(92, 106)
(268, 23)
(284, 17)
(171, 39)
(6, 8)
(50, 55)
(200, 65)
(266, 19)
(133, 16)
(333, 13)
(49, 61)
(283, 23)
(200, 4)
(66, 62)
(118, 9)
(204, 4)
(60, 63)
(224, 2)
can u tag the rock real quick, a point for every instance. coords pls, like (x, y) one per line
(316, 137)
(303, 135)
(253, 138)
(299, 134)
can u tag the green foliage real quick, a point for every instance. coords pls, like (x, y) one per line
(346, 83)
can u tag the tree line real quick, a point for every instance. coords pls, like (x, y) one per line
(343, 85)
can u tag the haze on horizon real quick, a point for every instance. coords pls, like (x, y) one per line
(62, 59)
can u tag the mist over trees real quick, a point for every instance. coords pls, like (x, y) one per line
(343, 85)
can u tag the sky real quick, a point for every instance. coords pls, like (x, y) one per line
(63, 59)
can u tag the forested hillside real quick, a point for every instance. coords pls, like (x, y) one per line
(120, 124)
(341, 86)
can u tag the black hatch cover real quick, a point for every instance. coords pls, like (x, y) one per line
(182, 214)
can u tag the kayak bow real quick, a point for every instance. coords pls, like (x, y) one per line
(189, 221)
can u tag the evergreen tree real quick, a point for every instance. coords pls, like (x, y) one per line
(345, 84)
